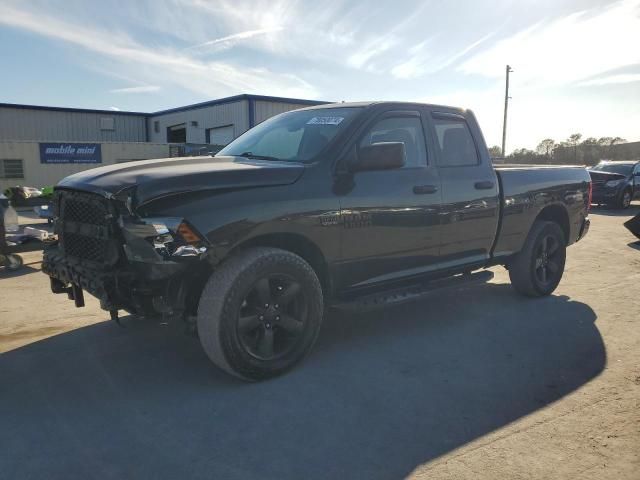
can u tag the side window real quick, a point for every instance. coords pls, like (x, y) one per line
(455, 142)
(407, 130)
(636, 170)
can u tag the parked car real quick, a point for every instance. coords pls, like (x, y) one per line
(316, 207)
(616, 184)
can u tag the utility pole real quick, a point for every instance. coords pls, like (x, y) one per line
(506, 106)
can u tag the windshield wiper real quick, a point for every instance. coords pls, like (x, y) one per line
(258, 157)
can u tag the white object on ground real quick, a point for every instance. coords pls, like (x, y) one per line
(41, 235)
(10, 219)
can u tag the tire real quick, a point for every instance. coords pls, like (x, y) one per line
(533, 273)
(624, 201)
(239, 334)
(13, 262)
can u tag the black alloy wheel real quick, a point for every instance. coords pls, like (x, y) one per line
(260, 313)
(536, 270)
(547, 260)
(272, 317)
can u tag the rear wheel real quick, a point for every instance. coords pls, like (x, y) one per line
(260, 313)
(625, 199)
(537, 269)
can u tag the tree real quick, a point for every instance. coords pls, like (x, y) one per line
(574, 139)
(546, 147)
(524, 155)
(605, 141)
(590, 141)
(495, 151)
(618, 140)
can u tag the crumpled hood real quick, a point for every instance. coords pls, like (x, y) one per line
(169, 176)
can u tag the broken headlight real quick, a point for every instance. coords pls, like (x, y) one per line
(175, 237)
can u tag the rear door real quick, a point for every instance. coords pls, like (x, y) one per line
(470, 199)
(390, 217)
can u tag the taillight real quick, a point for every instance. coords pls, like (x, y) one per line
(590, 195)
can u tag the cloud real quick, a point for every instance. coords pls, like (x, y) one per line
(141, 89)
(422, 62)
(612, 79)
(115, 109)
(361, 57)
(208, 78)
(230, 40)
(415, 65)
(567, 49)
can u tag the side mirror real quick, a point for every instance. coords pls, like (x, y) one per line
(379, 156)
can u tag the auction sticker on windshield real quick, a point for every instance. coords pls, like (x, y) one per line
(325, 121)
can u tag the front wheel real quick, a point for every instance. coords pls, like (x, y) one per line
(260, 313)
(537, 269)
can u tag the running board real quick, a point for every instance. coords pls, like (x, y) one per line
(413, 292)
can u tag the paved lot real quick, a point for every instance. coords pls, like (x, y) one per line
(473, 383)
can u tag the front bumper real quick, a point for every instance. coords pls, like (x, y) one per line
(586, 223)
(119, 287)
(67, 272)
(604, 196)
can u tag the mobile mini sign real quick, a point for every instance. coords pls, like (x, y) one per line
(52, 153)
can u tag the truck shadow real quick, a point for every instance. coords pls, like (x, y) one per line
(382, 393)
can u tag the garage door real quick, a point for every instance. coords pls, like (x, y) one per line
(220, 135)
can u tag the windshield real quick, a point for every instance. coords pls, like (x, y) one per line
(622, 169)
(294, 136)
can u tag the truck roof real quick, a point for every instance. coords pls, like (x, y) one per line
(371, 103)
(620, 162)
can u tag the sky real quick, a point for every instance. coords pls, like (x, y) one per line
(576, 63)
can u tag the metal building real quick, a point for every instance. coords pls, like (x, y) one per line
(219, 121)
(41, 145)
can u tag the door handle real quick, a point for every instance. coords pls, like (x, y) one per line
(486, 185)
(424, 189)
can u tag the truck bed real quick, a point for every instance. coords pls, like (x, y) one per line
(526, 189)
(532, 166)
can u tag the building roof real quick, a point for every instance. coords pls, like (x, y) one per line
(237, 98)
(194, 106)
(68, 109)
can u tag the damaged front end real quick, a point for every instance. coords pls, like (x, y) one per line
(136, 264)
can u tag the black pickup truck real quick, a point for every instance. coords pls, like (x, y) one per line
(316, 207)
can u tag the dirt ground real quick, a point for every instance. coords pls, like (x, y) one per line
(469, 383)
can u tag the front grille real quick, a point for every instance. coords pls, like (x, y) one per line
(85, 227)
(88, 248)
(94, 213)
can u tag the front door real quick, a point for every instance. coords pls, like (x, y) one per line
(390, 217)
